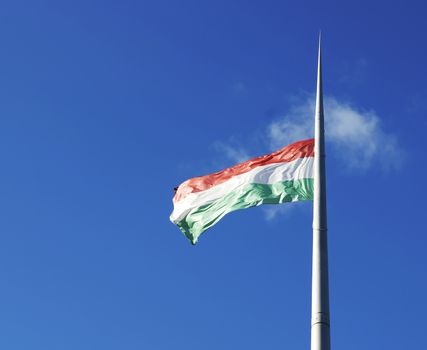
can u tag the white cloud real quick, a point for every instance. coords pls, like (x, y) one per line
(272, 212)
(234, 153)
(356, 135)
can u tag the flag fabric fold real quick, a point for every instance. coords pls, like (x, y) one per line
(282, 176)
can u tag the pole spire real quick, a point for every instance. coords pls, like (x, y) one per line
(320, 324)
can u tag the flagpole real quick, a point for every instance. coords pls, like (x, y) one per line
(320, 325)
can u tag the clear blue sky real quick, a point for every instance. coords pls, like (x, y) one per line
(107, 105)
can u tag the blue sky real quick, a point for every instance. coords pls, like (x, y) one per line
(108, 105)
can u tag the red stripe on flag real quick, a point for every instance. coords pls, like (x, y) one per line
(300, 149)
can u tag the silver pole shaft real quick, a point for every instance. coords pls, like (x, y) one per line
(320, 326)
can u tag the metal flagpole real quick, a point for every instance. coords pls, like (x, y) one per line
(320, 326)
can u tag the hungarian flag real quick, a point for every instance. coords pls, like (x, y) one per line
(282, 176)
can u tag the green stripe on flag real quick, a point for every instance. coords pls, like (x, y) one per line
(201, 218)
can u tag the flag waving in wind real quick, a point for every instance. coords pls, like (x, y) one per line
(282, 176)
(295, 173)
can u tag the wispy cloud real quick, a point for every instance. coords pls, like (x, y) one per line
(231, 151)
(272, 212)
(356, 135)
